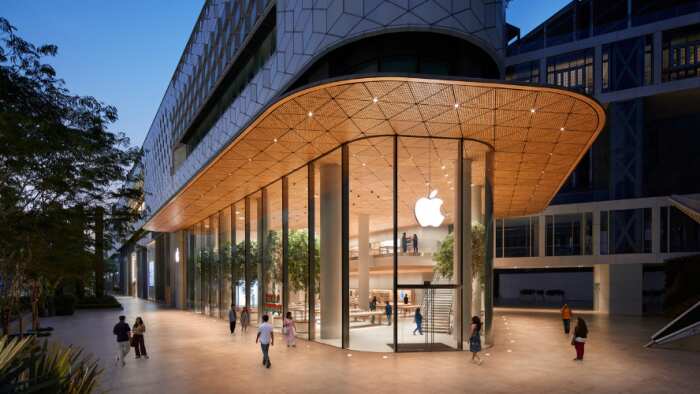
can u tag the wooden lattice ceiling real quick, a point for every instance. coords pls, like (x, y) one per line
(536, 134)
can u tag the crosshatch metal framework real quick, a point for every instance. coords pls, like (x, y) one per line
(537, 135)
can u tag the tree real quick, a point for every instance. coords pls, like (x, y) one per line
(444, 258)
(59, 165)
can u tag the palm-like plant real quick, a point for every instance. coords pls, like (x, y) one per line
(27, 366)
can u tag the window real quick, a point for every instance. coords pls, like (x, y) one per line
(645, 11)
(583, 19)
(517, 237)
(625, 231)
(561, 29)
(569, 234)
(681, 54)
(524, 72)
(627, 64)
(572, 70)
(684, 232)
(609, 15)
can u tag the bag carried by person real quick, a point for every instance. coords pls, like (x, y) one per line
(132, 341)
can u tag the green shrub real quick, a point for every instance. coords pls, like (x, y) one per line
(26, 366)
(93, 302)
(64, 304)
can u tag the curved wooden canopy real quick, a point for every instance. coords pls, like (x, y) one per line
(537, 136)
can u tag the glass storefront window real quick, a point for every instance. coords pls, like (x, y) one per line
(298, 257)
(371, 246)
(225, 259)
(214, 268)
(254, 266)
(198, 256)
(272, 254)
(238, 255)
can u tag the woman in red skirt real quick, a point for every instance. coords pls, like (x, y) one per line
(579, 338)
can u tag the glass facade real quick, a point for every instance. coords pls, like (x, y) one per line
(583, 18)
(524, 72)
(569, 234)
(679, 232)
(353, 244)
(627, 64)
(681, 54)
(517, 237)
(572, 70)
(625, 231)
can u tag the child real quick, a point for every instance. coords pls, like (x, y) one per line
(419, 322)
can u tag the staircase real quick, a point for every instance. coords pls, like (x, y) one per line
(437, 310)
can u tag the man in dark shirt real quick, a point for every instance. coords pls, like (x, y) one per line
(122, 331)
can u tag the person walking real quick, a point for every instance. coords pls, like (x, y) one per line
(290, 330)
(579, 338)
(373, 306)
(566, 317)
(405, 298)
(387, 311)
(122, 331)
(415, 245)
(232, 319)
(475, 339)
(137, 338)
(266, 338)
(404, 243)
(418, 318)
(245, 319)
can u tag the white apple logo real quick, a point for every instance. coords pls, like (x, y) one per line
(427, 210)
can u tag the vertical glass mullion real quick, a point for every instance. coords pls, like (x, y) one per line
(285, 246)
(311, 212)
(345, 247)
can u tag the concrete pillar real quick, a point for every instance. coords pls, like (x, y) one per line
(618, 289)
(330, 253)
(542, 236)
(601, 288)
(598, 70)
(488, 260)
(477, 217)
(596, 233)
(463, 247)
(477, 203)
(363, 261)
(657, 56)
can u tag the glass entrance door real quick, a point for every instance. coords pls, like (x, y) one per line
(426, 318)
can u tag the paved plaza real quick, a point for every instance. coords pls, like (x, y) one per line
(192, 353)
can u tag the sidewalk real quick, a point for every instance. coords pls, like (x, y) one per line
(192, 353)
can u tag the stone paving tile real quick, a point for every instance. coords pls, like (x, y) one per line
(195, 354)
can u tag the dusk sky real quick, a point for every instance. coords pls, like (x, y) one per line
(124, 52)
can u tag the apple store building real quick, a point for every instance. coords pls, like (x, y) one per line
(365, 194)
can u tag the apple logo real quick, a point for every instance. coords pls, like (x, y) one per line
(427, 210)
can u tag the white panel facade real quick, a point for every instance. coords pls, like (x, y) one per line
(306, 29)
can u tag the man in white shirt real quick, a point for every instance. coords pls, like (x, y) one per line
(266, 338)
